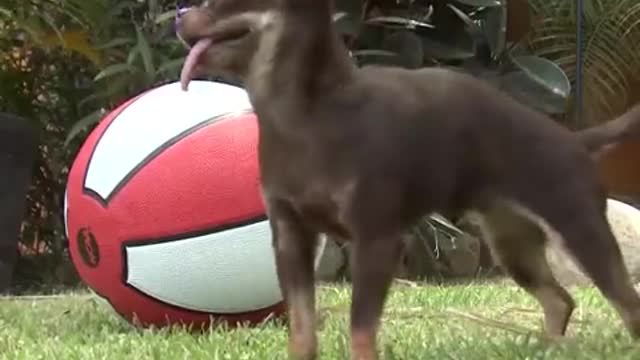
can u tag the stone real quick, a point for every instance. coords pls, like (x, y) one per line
(430, 252)
(438, 249)
(332, 262)
(462, 255)
(625, 224)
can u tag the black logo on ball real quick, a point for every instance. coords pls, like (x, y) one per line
(88, 247)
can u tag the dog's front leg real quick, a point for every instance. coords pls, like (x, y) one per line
(294, 246)
(375, 260)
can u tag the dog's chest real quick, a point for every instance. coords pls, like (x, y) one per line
(324, 206)
(313, 174)
(322, 202)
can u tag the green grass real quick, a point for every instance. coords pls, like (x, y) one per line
(424, 322)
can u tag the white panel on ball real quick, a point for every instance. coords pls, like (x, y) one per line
(223, 272)
(138, 127)
(65, 212)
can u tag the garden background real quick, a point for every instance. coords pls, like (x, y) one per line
(64, 64)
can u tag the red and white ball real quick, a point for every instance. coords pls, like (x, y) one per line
(164, 214)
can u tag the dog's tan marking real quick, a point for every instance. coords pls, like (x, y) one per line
(517, 238)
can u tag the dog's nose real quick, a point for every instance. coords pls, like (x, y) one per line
(188, 24)
(182, 11)
(179, 13)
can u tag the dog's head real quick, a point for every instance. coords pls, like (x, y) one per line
(223, 36)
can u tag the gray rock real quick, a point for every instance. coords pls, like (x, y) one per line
(462, 255)
(332, 261)
(434, 254)
(625, 223)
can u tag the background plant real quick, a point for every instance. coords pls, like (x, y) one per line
(65, 63)
(58, 63)
(611, 51)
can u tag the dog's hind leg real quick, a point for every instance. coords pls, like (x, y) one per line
(586, 234)
(294, 247)
(517, 243)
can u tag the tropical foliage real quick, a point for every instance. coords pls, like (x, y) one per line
(611, 50)
(64, 63)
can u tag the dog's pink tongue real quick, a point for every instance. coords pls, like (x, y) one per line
(191, 62)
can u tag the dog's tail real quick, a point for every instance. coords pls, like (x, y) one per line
(601, 138)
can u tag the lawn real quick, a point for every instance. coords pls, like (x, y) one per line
(481, 321)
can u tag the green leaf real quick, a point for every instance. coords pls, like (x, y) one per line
(171, 65)
(538, 83)
(473, 29)
(437, 49)
(133, 55)
(145, 52)
(546, 73)
(462, 16)
(52, 25)
(495, 28)
(372, 52)
(398, 22)
(119, 87)
(90, 98)
(337, 16)
(84, 123)
(117, 9)
(115, 43)
(444, 224)
(347, 24)
(153, 5)
(165, 16)
(611, 52)
(481, 3)
(377, 57)
(408, 47)
(114, 70)
(521, 87)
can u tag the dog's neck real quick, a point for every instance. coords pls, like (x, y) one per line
(296, 45)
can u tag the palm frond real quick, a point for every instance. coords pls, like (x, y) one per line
(611, 49)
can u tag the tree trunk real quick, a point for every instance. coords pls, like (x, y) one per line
(17, 153)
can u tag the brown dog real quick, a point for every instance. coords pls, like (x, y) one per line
(364, 153)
